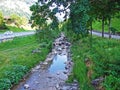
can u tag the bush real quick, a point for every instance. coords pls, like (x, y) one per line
(113, 30)
(5, 84)
(15, 73)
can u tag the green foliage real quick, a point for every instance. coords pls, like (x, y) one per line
(15, 29)
(105, 56)
(24, 20)
(39, 16)
(15, 73)
(18, 20)
(18, 42)
(1, 18)
(112, 83)
(2, 24)
(114, 25)
(5, 84)
(46, 35)
(79, 16)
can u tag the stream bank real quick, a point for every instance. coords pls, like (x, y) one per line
(54, 71)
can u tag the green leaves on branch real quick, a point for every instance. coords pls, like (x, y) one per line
(18, 20)
(79, 16)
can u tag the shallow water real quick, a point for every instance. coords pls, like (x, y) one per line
(58, 63)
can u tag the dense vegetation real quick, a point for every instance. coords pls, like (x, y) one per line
(103, 58)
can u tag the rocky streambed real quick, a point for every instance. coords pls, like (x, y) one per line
(53, 72)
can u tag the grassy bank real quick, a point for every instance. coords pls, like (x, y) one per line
(16, 59)
(13, 28)
(99, 57)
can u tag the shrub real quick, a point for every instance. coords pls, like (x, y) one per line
(5, 84)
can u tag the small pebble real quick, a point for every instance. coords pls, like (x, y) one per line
(26, 86)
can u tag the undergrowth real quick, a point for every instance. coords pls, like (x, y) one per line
(105, 57)
(104, 54)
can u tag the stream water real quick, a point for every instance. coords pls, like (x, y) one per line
(58, 63)
(51, 73)
(43, 78)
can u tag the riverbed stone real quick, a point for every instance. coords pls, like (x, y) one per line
(26, 86)
(42, 79)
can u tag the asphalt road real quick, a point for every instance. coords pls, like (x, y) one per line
(15, 34)
(105, 35)
(19, 34)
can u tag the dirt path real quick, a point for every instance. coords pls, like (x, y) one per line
(53, 72)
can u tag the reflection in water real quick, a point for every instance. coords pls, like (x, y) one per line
(58, 63)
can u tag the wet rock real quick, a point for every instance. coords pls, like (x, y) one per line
(36, 51)
(70, 86)
(75, 81)
(49, 77)
(37, 67)
(36, 82)
(58, 73)
(67, 44)
(49, 59)
(26, 86)
(45, 63)
(65, 72)
(97, 81)
(57, 86)
(59, 49)
(66, 67)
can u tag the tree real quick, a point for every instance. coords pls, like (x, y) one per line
(79, 16)
(104, 10)
(18, 20)
(1, 19)
(39, 16)
(24, 20)
(112, 9)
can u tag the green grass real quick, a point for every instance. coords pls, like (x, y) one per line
(12, 28)
(15, 29)
(115, 24)
(105, 55)
(16, 59)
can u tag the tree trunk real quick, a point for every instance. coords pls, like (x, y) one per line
(109, 27)
(103, 26)
(91, 35)
(91, 29)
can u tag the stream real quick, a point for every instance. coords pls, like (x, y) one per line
(53, 72)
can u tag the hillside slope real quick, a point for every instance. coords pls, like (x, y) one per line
(20, 7)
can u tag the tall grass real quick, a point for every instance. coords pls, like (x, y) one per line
(105, 55)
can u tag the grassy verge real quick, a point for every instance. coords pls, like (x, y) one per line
(13, 28)
(115, 24)
(104, 61)
(16, 59)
